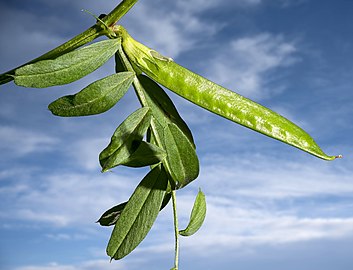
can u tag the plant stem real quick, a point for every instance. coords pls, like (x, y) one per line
(117, 13)
(176, 231)
(121, 57)
(87, 36)
(136, 83)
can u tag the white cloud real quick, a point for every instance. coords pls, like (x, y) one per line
(19, 142)
(265, 177)
(235, 228)
(170, 32)
(245, 64)
(88, 265)
(202, 5)
(31, 39)
(62, 199)
(85, 152)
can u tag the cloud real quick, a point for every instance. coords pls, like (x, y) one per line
(246, 64)
(85, 152)
(39, 37)
(88, 265)
(62, 199)
(199, 6)
(168, 29)
(17, 142)
(265, 177)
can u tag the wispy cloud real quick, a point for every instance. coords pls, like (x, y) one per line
(88, 265)
(66, 199)
(259, 202)
(170, 31)
(246, 63)
(17, 142)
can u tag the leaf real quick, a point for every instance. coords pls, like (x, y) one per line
(119, 64)
(162, 106)
(181, 156)
(138, 215)
(146, 154)
(197, 216)
(111, 216)
(96, 98)
(126, 139)
(68, 67)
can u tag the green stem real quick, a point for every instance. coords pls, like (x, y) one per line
(176, 231)
(137, 86)
(122, 59)
(136, 83)
(87, 36)
(117, 13)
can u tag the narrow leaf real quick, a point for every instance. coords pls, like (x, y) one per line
(162, 107)
(146, 154)
(138, 215)
(111, 216)
(68, 67)
(181, 156)
(197, 216)
(126, 139)
(96, 98)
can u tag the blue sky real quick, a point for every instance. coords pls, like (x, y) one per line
(270, 206)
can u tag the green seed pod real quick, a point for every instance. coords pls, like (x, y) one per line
(216, 98)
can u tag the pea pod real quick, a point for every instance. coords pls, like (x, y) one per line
(216, 98)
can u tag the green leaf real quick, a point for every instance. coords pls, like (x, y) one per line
(119, 64)
(162, 106)
(111, 216)
(126, 139)
(146, 154)
(96, 98)
(197, 216)
(181, 156)
(68, 67)
(138, 215)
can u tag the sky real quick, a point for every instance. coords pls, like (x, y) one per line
(269, 206)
